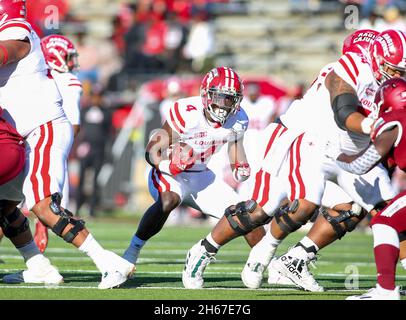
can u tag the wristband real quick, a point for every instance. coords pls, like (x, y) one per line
(5, 54)
(366, 125)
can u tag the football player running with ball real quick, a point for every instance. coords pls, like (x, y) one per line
(196, 128)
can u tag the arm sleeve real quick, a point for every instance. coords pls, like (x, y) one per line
(363, 163)
(71, 103)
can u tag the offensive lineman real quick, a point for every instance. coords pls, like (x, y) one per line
(38, 116)
(294, 165)
(61, 56)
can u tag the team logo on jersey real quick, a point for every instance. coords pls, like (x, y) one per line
(200, 134)
(370, 92)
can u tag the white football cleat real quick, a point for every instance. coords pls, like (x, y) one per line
(197, 259)
(296, 269)
(39, 270)
(377, 293)
(276, 278)
(252, 274)
(258, 260)
(119, 272)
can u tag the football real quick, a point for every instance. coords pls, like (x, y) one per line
(180, 150)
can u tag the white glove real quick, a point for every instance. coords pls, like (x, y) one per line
(332, 149)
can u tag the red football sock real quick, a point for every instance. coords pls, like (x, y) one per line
(386, 257)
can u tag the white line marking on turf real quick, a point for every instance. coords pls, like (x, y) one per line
(400, 277)
(172, 288)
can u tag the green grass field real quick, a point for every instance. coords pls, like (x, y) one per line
(160, 266)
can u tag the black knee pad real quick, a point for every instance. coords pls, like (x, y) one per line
(283, 220)
(345, 217)
(402, 236)
(12, 231)
(65, 218)
(245, 221)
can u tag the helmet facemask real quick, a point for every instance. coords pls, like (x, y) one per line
(389, 71)
(221, 105)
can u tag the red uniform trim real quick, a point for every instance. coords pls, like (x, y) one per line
(165, 182)
(178, 115)
(265, 193)
(353, 64)
(174, 122)
(46, 161)
(258, 180)
(33, 178)
(302, 189)
(348, 70)
(156, 184)
(15, 25)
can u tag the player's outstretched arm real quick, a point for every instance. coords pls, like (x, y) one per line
(344, 101)
(238, 160)
(13, 51)
(364, 161)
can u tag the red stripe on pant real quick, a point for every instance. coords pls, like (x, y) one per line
(265, 193)
(33, 178)
(46, 161)
(154, 181)
(295, 168)
(258, 180)
(302, 189)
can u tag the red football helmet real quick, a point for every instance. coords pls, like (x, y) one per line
(391, 96)
(12, 9)
(388, 55)
(221, 91)
(359, 41)
(60, 53)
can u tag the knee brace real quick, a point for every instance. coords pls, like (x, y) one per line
(343, 216)
(283, 220)
(11, 231)
(65, 218)
(241, 219)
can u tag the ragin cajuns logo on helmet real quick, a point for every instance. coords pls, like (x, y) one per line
(57, 41)
(365, 36)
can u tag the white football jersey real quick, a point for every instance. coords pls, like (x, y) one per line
(313, 113)
(259, 112)
(71, 90)
(28, 93)
(186, 117)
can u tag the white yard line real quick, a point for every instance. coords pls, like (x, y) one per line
(400, 277)
(51, 287)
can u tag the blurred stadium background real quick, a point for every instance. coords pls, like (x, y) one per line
(135, 55)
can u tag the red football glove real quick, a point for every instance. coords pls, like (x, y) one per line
(181, 159)
(241, 172)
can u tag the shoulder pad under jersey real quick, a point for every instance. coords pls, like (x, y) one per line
(184, 115)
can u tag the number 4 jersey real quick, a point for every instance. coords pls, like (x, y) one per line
(186, 117)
